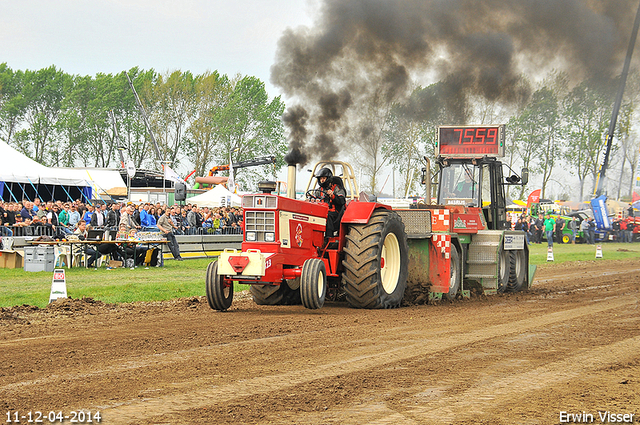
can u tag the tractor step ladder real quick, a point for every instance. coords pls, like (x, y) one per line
(482, 259)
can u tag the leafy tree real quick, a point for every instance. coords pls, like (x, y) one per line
(133, 133)
(176, 107)
(251, 126)
(11, 104)
(586, 113)
(411, 134)
(43, 93)
(213, 91)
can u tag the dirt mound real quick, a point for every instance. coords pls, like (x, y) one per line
(14, 315)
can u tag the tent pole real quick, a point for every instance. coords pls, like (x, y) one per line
(11, 192)
(24, 193)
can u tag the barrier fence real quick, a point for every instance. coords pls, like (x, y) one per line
(27, 231)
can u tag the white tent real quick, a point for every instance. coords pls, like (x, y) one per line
(17, 167)
(29, 174)
(216, 197)
(103, 181)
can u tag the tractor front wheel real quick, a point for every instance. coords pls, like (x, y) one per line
(313, 283)
(504, 267)
(376, 262)
(518, 271)
(455, 275)
(219, 294)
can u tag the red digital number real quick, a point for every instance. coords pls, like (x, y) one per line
(480, 135)
(459, 138)
(468, 136)
(492, 134)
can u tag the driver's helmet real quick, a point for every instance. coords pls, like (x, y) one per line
(324, 172)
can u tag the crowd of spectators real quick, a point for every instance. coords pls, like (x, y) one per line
(59, 218)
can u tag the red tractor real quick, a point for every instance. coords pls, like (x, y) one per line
(287, 258)
(378, 256)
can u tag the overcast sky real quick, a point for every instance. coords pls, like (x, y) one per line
(87, 37)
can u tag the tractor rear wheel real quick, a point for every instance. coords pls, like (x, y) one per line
(275, 294)
(219, 295)
(313, 283)
(517, 271)
(376, 262)
(455, 273)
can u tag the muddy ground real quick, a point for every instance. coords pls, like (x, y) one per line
(571, 344)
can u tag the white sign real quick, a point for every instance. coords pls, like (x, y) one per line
(513, 242)
(58, 285)
(131, 169)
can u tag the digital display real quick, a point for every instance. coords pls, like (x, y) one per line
(470, 141)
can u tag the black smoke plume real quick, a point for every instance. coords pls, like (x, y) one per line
(363, 49)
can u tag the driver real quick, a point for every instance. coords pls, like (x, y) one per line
(465, 189)
(333, 194)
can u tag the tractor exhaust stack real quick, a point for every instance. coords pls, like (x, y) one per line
(291, 181)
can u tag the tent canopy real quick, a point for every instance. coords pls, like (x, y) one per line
(34, 179)
(17, 167)
(216, 197)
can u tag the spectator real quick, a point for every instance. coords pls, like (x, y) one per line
(36, 205)
(560, 225)
(592, 230)
(176, 219)
(74, 217)
(165, 224)
(113, 216)
(539, 227)
(4, 224)
(151, 221)
(82, 232)
(145, 221)
(630, 228)
(97, 219)
(126, 218)
(549, 227)
(136, 214)
(10, 214)
(615, 226)
(87, 215)
(573, 226)
(26, 212)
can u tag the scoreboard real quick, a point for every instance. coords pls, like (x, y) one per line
(470, 141)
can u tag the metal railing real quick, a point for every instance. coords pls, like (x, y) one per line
(27, 231)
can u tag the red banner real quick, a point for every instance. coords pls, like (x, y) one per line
(534, 198)
(635, 197)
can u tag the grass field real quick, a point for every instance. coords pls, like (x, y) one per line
(186, 278)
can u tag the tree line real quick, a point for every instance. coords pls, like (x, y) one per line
(559, 128)
(199, 121)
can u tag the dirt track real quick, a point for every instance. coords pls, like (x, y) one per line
(571, 344)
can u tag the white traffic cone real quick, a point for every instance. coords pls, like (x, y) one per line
(599, 251)
(550, 254)
(58, 285)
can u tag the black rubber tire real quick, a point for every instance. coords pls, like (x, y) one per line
(455, 279)
(517, 271)
(275, 294)
(362, 278)
(504, 266)
(566, 238)
(219, 296)
(313, 283)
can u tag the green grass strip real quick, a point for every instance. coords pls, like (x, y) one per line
(186, 278)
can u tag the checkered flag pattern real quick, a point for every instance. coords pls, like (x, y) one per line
(440, 219)
(443, 242)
